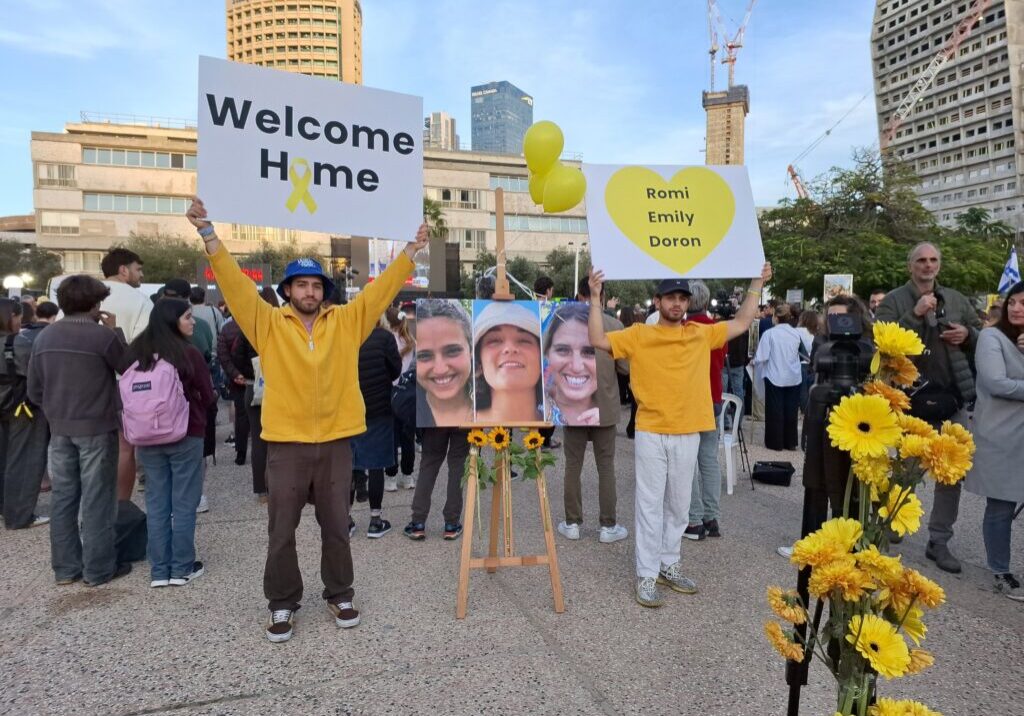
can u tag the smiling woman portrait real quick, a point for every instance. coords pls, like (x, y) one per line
(444, 364)
(507, 361)
(570, 367)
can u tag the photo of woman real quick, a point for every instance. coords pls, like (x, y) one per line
(444, 364)
(570, 366)
(507, 360)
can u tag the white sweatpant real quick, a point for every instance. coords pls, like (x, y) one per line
(664, 479)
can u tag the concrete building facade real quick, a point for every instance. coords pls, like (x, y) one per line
(439, 132)
(726, 115)
(965, 135)
(501, 113)
(322, 38)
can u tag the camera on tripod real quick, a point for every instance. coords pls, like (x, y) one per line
(844, 361)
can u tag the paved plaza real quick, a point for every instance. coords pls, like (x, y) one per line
(127, 649)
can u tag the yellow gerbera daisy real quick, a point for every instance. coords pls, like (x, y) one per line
(477, 437)
(903, 371)
(914, 626)
(892, 707)
(898, 400)
(864, 426)
(878, 641)
(904, 508)
(499, 438)
(840, 577)
(892, 339)
(788, 648)
(874, 471)
(948, 459)
(881, 567)
(533, 440)
(919, 661)
(916, 426)
(787, 605)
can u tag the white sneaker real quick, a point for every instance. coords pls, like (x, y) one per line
(612, 534)
(203, 506)
(39, 521)
(568, 531)
(197, 571)
(407, 482)
(159, 583)
(390, 484)
(786, 552)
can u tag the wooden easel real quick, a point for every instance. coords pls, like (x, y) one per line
(501, 499)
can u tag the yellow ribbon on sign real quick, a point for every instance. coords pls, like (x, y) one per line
(301, 190)
(28, 411)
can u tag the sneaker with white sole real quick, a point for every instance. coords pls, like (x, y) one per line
(197, 571)
(407, 482)
(39, 521)
(672, 576)
(568, 531)
(390, 484)
(647, 592)
(345, 615)
(203, 506)
(378, 528)
(612, 534)
(280, 627)
(1009, 587)
(786, 552)
(159, 583)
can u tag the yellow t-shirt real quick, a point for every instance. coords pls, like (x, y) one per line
(668, 370)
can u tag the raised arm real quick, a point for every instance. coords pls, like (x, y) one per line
(595, 321)
(748, 310)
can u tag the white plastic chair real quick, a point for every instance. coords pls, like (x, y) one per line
(729, 440)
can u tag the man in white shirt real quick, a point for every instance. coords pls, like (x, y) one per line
(122, 272)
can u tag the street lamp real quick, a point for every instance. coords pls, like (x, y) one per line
(576, 270)
(14, 284)
(26, 278)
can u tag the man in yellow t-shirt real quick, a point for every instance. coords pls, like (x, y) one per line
(669, 363)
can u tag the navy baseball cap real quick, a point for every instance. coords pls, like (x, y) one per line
(304, 267)
(673, 285)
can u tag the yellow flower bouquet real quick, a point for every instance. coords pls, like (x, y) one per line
(875, 603)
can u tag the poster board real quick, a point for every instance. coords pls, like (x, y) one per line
(837, 284)
(570, 364)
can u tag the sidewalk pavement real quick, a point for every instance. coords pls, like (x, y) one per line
(126, 649)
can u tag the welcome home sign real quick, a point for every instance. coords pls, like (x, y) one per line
(286, 150)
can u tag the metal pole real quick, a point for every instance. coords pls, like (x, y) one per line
(576, 272)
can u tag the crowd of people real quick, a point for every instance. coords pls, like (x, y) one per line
(107, 387)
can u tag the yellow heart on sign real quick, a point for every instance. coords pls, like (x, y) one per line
(678, 222)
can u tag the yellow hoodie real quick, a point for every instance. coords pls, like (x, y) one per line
(312, 382)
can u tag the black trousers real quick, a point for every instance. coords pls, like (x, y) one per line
(241, 421)
(405, 449)
(781, 405)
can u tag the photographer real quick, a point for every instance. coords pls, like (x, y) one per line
(948, 327)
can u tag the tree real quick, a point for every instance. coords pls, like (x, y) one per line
(433, 214)
(18, 258)
(165, 257)
(976, 222)
(279, 256)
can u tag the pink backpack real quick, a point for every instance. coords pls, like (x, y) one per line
(154, 407)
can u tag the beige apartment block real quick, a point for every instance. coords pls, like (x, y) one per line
(965, 134)
(726, 114)
(322, 38)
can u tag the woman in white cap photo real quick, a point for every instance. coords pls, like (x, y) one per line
(506, 338)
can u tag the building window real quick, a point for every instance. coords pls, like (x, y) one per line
(135, 203)
(548, 224)
(82, 261)
(132, 158)
(55, 175)
(263, 234)
(473, 239)
(58, 222)
(509, 183)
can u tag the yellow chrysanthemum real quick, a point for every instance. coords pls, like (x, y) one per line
(892, 707)
(914, 626)
(881, 567)
(864, 426)
(947, 459)
(905, 510)
(919, 661)
(874, 471)
(898, 400)
(902, 370)
(477, 437)
(878, 641)
(788, 648)
(499, 438)
(840, 577)
(914, 446)
(892, 339)
(831, 541)
(925, 590)
(915, 426)
(844, 531)
(787, 605)
(533, 440)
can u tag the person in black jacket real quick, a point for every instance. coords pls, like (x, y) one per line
(236, 387)
(374, 451)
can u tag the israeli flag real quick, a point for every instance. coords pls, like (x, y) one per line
(1011, 273)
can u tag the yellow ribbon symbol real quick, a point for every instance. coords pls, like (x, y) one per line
(23, 407)
(301, 190)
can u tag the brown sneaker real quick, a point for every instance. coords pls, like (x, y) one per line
(280, 627)
(344, 615)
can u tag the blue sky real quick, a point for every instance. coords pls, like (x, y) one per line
(623, 80)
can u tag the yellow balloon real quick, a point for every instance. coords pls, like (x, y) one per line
(542, 146)
(537, 183)
(564, 189)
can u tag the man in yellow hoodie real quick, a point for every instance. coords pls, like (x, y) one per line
(312, 406)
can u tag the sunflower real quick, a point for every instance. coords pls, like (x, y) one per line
(904, 509)
(919, 661)
(878, 641)
(881, 567)
(915, 426)
(898, 400)
(499, 438)
(533, 440)
(913, 626)
(903, 371)
(874, 471)
(786, 605)
(840, 576)
(891, 339)
(892, 707)
(788, 648)
(864, 426)
(948, 459)
(477, 438)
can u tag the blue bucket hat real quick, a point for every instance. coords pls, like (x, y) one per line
(304, 267)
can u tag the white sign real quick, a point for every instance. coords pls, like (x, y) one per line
(282, 149)
(655, 221)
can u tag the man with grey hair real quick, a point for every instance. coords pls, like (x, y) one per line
(948, 326)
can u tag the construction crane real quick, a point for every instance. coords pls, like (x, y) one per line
(731, 46)
(948, 51)
(794, 175)
(801, 191)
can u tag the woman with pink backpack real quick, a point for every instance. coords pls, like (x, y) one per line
(165, 392)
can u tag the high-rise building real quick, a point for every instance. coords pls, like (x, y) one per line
(965, 134)
(439, 132)
(726, 113)
(323, 38)
(501, 114)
